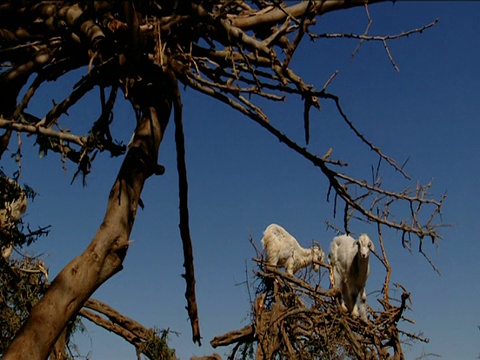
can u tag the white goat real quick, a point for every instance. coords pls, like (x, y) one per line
(284, 250)
(350, 261)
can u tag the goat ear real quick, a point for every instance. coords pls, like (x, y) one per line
(355, 243)
(371, 246)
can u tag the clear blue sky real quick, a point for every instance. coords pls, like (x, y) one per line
(241, 179)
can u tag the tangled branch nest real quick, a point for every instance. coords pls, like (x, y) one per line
(295, 318)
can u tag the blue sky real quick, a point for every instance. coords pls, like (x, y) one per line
(241, 179)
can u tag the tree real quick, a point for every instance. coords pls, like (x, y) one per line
(24, 280)
(236, 52)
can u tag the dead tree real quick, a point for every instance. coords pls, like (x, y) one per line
(237, 52)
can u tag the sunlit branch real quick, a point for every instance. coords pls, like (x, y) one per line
(404, 195)
(114, 316)
(233, 33)
(276, 15)
(98, 320)
(381, 38)
(370, 22)
(32, 129)
(225, 58)
(275, 36)
(242, 335)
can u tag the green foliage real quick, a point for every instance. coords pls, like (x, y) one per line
(156, 346)
(22, 283)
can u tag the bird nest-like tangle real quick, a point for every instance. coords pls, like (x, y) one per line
(294, 318)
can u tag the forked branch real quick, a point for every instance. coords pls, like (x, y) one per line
(146, 341)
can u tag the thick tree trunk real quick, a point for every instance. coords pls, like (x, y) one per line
(104, 256)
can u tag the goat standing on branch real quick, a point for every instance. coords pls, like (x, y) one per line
(284, 250)
(349, 259)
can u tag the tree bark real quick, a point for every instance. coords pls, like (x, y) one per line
(104, 256)
(59, 351)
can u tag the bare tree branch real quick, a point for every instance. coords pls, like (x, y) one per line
(184, 217)
(32, 129)
(146, 341)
